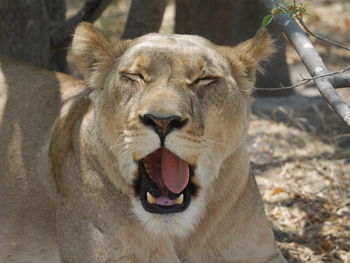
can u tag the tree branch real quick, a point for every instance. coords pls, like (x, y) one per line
(336, 78)
(91, 10)
(301, 21)
(328, 41)
(312, 61)
(340, 81)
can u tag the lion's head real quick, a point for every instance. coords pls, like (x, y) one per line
(171, 109)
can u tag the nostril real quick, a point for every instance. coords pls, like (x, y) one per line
(163, 125)
(147, 120)
(178, 123)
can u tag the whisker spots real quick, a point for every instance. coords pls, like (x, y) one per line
(193, 133)
(191, 139)
(210, 139)
(132, 127)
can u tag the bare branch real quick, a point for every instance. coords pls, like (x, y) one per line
(336, 78)
(91, 10)
(284, 87)
(299, 17)
(300, 20)
(340, 81)
(312, 61)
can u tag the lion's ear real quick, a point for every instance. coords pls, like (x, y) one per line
(247, 57)
(94, 54)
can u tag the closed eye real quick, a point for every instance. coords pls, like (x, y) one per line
(132, 76)
(201, 82)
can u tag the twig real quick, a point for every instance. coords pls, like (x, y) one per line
(300, 20)
(284, 87)
(312, 61)
(344, 82)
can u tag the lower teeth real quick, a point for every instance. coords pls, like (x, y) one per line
(150, 198)
(179, 200)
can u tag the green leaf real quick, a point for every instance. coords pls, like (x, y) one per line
(266, 21)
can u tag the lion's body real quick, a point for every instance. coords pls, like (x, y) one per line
(69, 157)
(30, 101)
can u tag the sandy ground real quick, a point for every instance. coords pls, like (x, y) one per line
(303, 174)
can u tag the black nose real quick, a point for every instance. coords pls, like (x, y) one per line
(163, 125)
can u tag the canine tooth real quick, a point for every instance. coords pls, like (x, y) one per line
(151, 199)
(179, 200)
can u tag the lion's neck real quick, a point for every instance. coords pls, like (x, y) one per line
(231, 181)
(101, 152)
(222, 198)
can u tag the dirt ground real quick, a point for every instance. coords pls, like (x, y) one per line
(303, 173)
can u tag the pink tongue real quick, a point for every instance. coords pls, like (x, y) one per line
(175, 172)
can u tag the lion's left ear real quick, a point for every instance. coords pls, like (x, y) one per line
(246, 58)
(94, 54)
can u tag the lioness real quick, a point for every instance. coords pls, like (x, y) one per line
(148, 164)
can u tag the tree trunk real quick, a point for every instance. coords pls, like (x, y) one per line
(228, 22)
(144, 16)
(56, 10)
(61, 31)
(24, 31)
(36, 31)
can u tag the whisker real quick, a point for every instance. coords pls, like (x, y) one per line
(212, 140)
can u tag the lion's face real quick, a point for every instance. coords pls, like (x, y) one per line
(171, 109)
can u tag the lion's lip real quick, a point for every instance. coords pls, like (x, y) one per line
(158, 190)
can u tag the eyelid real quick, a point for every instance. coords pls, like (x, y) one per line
(133, 76)
(204, 81)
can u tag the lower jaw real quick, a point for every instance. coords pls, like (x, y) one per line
(166, 209)
(170, 225)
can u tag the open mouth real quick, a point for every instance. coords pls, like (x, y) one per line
(164, 183)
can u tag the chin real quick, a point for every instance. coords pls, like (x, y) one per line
(170, 225)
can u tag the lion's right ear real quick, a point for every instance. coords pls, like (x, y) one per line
(246, 58)
(94, 54)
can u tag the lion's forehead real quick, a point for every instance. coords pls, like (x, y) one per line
(177, 47)
(175, 40)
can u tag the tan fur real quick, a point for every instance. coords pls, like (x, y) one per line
(98, 138)
(30, 101)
